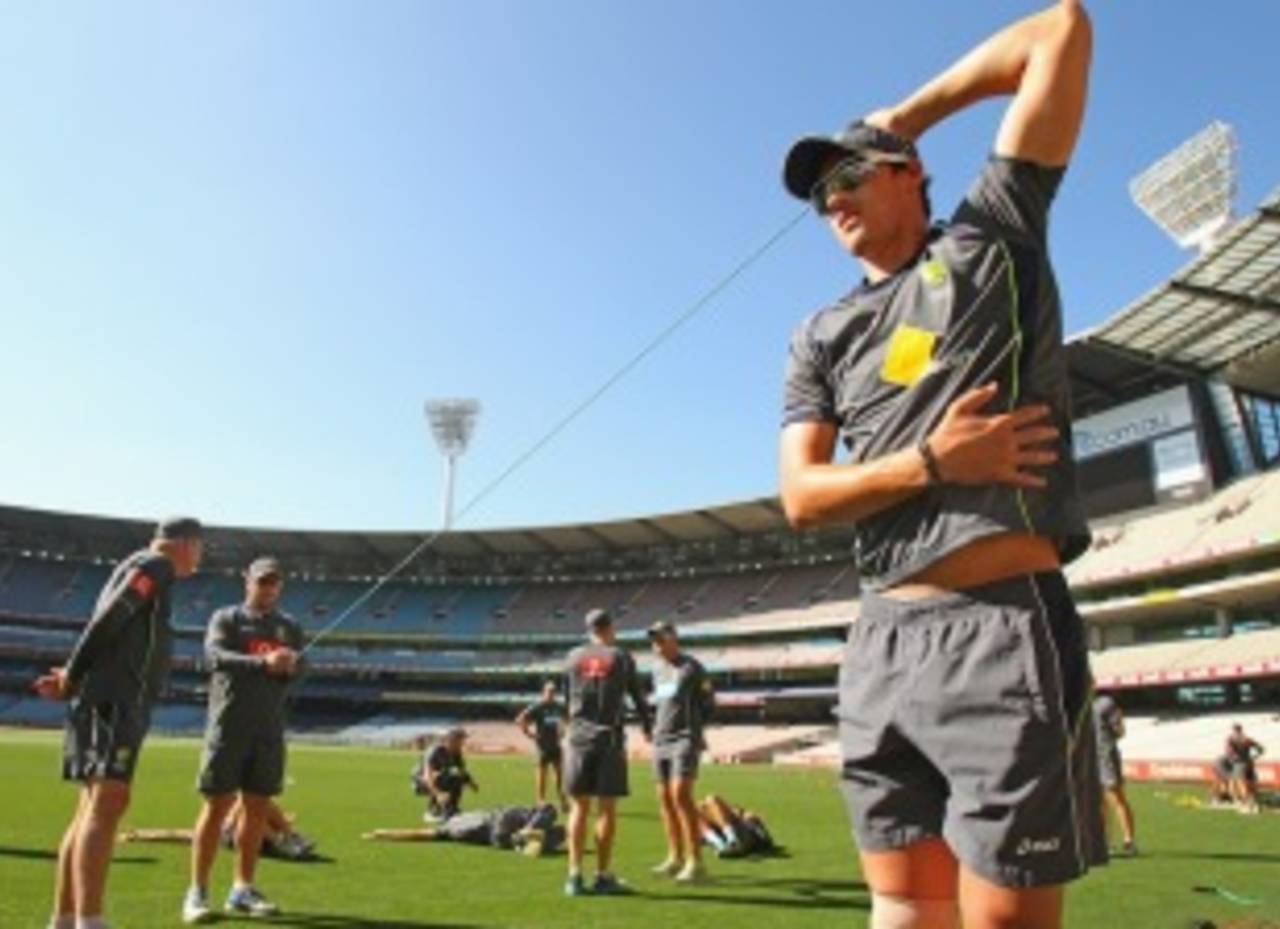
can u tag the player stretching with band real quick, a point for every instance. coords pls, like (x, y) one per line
(117, 670)
(252, 650)
(968, 761)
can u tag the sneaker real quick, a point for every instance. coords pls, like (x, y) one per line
(1129, 849)
(669, 867)
(195, 907)
(694, 872)
(249, 901)
(607, 885)
(574, 886)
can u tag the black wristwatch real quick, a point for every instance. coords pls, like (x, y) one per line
(930, 461)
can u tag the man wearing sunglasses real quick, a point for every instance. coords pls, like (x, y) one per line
(253, 651)
(969, 769)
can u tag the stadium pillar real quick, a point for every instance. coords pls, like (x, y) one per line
(1222, 617)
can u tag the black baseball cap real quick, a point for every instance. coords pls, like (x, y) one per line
(803, 167)
(265, 567)
(661, 628)
(179, 528)
(597, 618)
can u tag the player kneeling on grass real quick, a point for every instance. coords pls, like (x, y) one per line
(733, 831)
(600, 676)
(442, 774)
(116, 671)
(683, 701)
(531, 830)
(253, 652)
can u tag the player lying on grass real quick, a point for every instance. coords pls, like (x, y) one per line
(733, 831)
(529, 829)
(279, 838)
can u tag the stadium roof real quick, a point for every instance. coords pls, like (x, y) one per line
(1220, 315)
(75, 536)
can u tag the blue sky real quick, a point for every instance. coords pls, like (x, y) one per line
(242, 242)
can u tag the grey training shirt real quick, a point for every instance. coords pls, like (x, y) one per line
(546, 724)
(600, 678)
(683, 701)
(1106, 722)
(124, 653)
(244, 700)
(978, 304)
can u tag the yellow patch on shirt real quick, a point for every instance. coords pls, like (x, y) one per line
(909, 353)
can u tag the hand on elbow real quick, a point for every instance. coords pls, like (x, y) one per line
(1004, 448)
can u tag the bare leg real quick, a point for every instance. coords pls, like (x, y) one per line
(989, 906)
(540, 782)
(914, 887)
(1120, 803)
(204, 844)
(558, 767)
(687, 816)
(579, 812)
(606, 829)
(249, 837)
(670, 822)
(64, 903)
(91, 856)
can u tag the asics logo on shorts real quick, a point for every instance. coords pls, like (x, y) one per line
(1037, 846)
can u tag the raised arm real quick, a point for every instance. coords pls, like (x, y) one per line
(1042, 61)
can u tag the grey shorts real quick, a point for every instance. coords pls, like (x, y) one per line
(966, 716)
(102, 740)
(253, 765)
(675, 762)
(598, 770)
(1110, 769)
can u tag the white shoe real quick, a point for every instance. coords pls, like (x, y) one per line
(195, 907)
(669, 867)
(694, 872)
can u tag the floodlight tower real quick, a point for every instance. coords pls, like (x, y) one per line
(1189, 192)
(452, 420)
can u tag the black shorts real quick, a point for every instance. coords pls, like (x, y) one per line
(596, 771)
(549, 754)
(252, 765)
(675, 762)
(966, 716)
(102, 740)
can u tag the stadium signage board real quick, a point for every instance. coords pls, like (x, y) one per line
(1133, 423)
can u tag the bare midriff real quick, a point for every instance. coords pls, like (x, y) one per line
(983, 561)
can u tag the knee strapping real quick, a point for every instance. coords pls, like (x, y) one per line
(890, 912)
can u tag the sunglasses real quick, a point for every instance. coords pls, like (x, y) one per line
(848, 175)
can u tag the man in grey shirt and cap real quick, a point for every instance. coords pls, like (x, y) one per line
(968, 763)
(253, 652)
(601, 675)
(683, 700)
(117, 670)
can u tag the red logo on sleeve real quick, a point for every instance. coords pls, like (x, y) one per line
(141, 584)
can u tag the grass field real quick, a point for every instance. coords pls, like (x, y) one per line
(340, 792)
